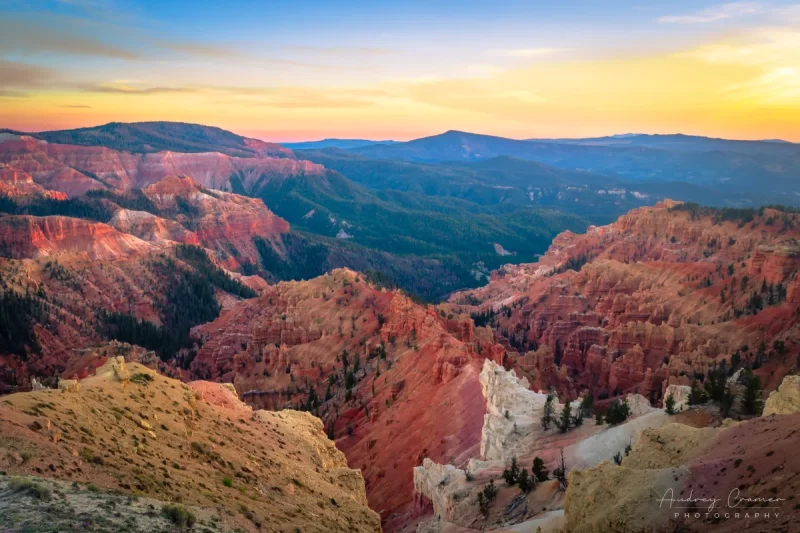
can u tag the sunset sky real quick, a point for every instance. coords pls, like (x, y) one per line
(301, 70)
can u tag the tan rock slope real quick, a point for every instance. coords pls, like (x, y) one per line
(750, 468)
(130, 429)
(786, 399)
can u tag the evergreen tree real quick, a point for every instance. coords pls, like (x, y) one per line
(526, 483)
(486, 497)
(511, 474)
(539, 471)
(566, 418)
(725, 405)
(560, 473)
(587, 405)
(670, 405)
(752, 393)
(696, 396)
(547, 415)
(617, 412)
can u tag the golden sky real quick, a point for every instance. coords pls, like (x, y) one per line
(694, 76)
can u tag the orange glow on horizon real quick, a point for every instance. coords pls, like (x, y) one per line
(743, 90)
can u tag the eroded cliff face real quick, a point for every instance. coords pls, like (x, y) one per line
(202, 447)
(75, 170)
(394, 382)
(15, 183)
(223, 222)
(27, 237)
(512, 423)
(649, 301)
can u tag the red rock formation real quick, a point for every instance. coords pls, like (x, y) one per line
(415, 394)
(15, 183)
(663, 295)
(76, 169)
(223, 222)
(32, 237)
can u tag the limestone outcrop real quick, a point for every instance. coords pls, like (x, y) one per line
(512, 422)
(680, 394)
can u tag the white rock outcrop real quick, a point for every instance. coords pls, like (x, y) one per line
(446, 487)
(513, 413)
(639, 405)
(681, 395)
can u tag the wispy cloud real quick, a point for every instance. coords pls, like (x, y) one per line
(527, 52)
(23, 37)
(15, 74)
(298, 97)
(65, 35)
(716, 13)
(10, 93)
(128, 89)
(341, 51)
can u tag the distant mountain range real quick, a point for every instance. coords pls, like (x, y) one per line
(732, 172)
(678, 141)
(333, 143)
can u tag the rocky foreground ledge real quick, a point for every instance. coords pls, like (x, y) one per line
(128, 431)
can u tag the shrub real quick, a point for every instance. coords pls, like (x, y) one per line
(141, 378)
(30, 488)
(227, 481)
(178, 515)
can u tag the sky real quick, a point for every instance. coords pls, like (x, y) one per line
(305, 70)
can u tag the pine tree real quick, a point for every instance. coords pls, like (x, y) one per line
(670, 405)
(526, 482)
(726, 402)
(587, 405)
(617, 412)
(486, 497)
(547, 415)
(511, 475)
(539, 471)
(560, 473)
(752, 393)
(566, 418)
(598, 419)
